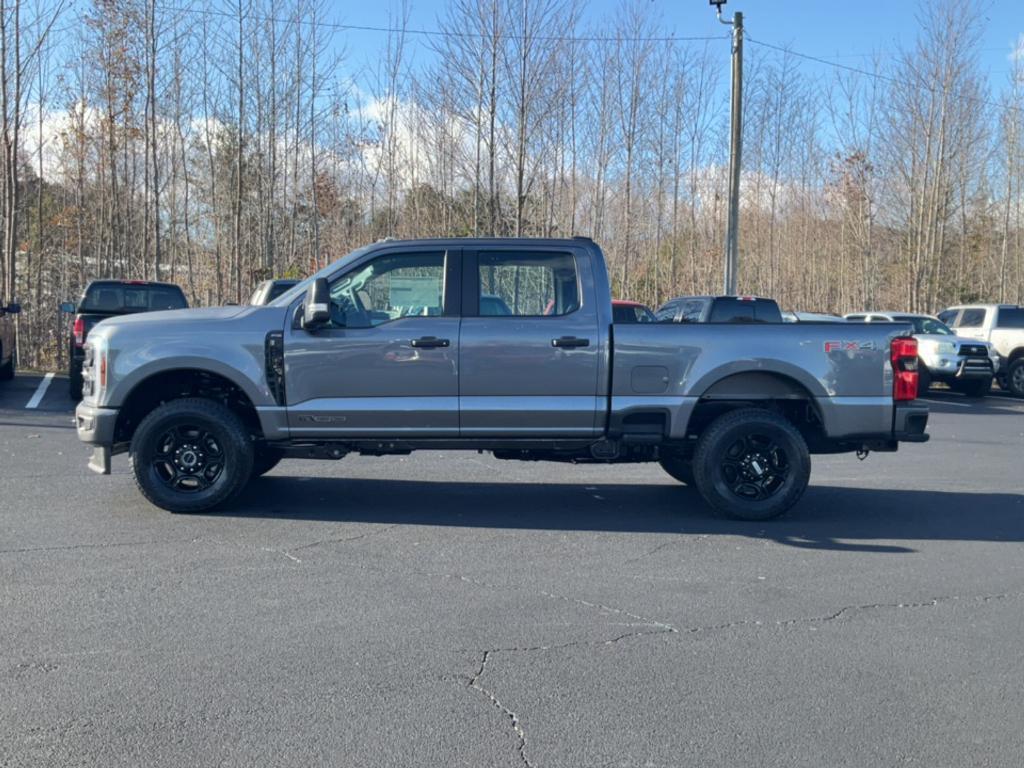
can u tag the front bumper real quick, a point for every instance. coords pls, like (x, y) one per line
(909, 422)
(95, 426)
(959, 368)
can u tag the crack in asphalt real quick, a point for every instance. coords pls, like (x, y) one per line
(665, 629)
(334, 540)
(495, 702)
(107, 545)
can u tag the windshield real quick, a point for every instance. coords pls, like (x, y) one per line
(299, 288)
(925, 324)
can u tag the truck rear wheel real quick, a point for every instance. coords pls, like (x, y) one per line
(751, 464)
(190, 455)
(678, 467)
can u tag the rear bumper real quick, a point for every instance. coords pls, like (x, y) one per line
(910, 420)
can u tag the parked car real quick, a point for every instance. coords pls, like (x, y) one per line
(206, 399)
(8, 348)
(1002, 326)
(103, 299)
(719, 309)
(269, 290)
(966, 365)
(624, 311)
(810, 317)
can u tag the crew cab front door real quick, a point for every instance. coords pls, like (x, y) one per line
(531, 347)
(388, 363)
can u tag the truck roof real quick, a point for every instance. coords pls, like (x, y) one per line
(464, 241)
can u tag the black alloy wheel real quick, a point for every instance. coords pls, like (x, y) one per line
(751, 464)
(191, 454)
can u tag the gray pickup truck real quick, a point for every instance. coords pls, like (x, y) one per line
(392, 349)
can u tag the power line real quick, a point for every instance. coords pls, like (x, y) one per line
(877, 75)
(442, 32)
(835, 64)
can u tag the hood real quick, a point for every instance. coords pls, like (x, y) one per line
(206, 314)
(174, 323)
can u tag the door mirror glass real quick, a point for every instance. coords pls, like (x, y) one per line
(316, 311)
(68, 307)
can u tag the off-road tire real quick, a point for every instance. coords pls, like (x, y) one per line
(265, 459)
(678, 467)
(6, 370)
(924, 379)
(232, 439)
(1015, 377)
(973, 388)
(740, 427)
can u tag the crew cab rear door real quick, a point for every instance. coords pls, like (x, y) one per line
(531, 345)
(387, 364)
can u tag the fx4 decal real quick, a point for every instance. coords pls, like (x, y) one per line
(849, 346)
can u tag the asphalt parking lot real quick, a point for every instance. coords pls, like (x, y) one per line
(451, 609)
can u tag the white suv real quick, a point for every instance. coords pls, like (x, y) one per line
(966, 365)
(1002, 326)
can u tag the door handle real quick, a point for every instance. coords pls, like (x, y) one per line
(430, 342)
(570, 341)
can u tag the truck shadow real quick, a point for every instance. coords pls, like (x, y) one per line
(828, 517)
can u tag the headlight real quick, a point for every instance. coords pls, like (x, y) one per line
(945, 348)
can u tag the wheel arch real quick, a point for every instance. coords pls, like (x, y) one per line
(169, 384)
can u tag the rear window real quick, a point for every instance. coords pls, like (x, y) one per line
(631, 314)
(120, 297)
(1010, 317)
(730, 310)
(279, 287)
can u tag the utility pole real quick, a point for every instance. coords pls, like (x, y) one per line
(732, 237)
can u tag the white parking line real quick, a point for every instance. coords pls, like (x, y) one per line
(947, 402)
(37, 396)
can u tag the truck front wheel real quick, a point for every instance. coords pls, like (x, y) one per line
(1015, 377)
(751, 464)
(190, 455)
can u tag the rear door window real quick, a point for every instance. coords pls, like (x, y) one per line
(949, 316)
(1010, 317)
(972, 318)
(528, 284)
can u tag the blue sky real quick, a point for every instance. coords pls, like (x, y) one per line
(846, 31)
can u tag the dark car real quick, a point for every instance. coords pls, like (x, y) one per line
(625, 311)
(8, 357)
(269, 290)
(110, 298)
(719, 309)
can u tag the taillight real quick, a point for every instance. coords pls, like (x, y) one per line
(904, 368)
(102, 373)
(79, 331)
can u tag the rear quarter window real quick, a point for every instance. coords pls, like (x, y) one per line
(1010, 317)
